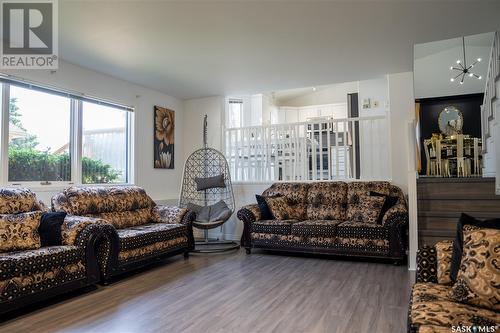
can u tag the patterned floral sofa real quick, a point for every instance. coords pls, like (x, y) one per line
(329, 218)
(32, 275)
(432, 309)
(141, 231)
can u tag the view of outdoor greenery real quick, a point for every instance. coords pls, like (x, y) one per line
(27, 163)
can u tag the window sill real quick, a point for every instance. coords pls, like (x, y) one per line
(59, 187)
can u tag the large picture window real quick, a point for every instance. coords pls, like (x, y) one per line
(53, 137)
(105, 144)
(39, 136)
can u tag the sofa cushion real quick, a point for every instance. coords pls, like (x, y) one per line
(426, 291)
(362, 230)
(296, 193)
(265, 212)
(126, 219)
(433, 329)
(280, 227)
(478, 280)
(20, 231)
(17, 200)
(459, 239)
(50, 228)
(327, 228)
(444, 251)
(168, 214)
(153, 250)
(327, 201)
(359, 207)
(278, 240)
(448, 313)
(101, 199)
(25, 273)
(28, 262)
(389, 202)
(147, 234)
(280, 208)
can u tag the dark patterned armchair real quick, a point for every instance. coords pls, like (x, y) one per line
(330, 218)
(31, 275)
(431, 308)
(137, 230)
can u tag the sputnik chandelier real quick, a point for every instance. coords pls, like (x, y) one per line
(464, 69)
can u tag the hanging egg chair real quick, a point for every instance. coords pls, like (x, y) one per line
(206, 189)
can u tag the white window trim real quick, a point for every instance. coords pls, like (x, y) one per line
(76, 131)
(227, 110)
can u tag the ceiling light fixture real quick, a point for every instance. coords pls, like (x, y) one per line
(463, 68)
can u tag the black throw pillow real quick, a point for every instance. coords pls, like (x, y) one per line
(50, 228)
(388, 203)
(458, 242)
(265, 211)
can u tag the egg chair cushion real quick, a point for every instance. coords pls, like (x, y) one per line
(220, 211)
(202, 212)
(209, 182)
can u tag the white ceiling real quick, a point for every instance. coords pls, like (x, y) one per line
(203, 48)
(433, 60)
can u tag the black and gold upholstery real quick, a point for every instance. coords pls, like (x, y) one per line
(433, 307)
(31, 275)
(137, 230)
(317, 220)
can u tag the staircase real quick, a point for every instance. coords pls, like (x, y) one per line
(490, 116)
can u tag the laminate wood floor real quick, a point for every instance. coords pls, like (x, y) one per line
(236, 293)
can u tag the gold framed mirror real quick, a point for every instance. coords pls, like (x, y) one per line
(450, 121)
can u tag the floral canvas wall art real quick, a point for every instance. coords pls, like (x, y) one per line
(164, 128)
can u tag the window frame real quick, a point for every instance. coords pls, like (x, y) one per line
(229, 101)
(75, 144)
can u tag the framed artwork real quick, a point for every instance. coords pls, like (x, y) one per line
(164, 137)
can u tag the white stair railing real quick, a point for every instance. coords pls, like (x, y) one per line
(487, 114)
(326, 149)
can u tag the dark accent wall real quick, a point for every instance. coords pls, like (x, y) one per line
(470, 105)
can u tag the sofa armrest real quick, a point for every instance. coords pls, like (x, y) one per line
(397, 214)
(169, 214)
(249, 213)
(396, 221)
(177, 215)
(426, 264)
(72, 230)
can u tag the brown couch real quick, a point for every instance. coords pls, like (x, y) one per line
(139, 231)
(29, 276)
(329, 218)
(432, 310)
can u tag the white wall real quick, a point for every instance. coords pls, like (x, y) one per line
(161, 184)
(403, 144)
(374, 150)
(335, 93)
(192, 132)
(402, 111)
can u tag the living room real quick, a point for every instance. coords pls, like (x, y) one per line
(214, 166)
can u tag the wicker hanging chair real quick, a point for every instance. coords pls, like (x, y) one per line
(202, 164)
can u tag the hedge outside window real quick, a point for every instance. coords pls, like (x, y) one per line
(42, 147)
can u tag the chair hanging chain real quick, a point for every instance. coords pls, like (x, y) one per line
(205, 145)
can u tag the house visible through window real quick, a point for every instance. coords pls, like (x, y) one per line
(57, 137)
